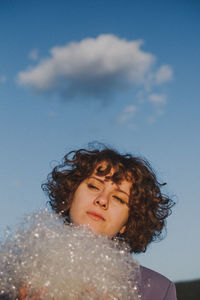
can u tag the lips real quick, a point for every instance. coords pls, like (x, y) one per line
(95, 216)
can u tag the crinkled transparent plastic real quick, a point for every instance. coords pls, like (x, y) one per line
(66, 262)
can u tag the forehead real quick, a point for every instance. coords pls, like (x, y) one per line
(104, 170)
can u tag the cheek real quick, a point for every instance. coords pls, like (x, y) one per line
(126, 215)
(75, 208)
(75, 213)
(120, 216)
(78, 206)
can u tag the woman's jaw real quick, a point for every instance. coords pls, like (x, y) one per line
(101, 205)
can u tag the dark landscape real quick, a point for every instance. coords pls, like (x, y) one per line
(188, 290)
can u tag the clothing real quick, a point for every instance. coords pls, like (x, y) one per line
(156, 286)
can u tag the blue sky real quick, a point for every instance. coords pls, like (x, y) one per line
(125, 73)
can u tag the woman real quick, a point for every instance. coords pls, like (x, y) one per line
(114, 195)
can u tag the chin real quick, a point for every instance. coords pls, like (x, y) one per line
(95, 229)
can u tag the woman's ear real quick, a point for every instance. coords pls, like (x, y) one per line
(122, 229)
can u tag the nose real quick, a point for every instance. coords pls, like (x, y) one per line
(102, 200)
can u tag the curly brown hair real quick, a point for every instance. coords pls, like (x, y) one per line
(148, 207)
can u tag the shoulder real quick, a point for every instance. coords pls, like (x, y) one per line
(156, 286)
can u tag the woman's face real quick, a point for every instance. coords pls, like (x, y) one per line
(101, 205)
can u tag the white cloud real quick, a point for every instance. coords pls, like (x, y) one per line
(97, 68)
(163, 74)
(3, 79)
(91, 67)
(157, 99)
(126, 114)
(33, 55)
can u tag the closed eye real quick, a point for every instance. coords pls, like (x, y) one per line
(119, 199)
(93, 187)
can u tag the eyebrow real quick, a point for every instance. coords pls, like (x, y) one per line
(103, 181)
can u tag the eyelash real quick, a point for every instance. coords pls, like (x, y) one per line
(119, 199)
(91, 186)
